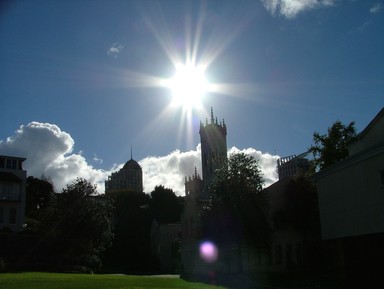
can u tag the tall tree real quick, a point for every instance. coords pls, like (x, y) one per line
(39, 194)
(130, 251)
(332, 147)
(81, 225)
(238, 211)
(165, 205)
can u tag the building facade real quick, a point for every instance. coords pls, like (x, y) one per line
(165, 245)
(351, 192)
(128, 179)
(213, 138)
(351, 202)
(293, 165)
(12, 193)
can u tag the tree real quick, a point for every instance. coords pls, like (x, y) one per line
(80, 225)
(130, 251)
(165, 205)
(332, 147)
(39, 194)
(238, 211)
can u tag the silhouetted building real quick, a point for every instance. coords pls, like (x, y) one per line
(128, 178)
(293, 165)
(12, 193)
(351, 202)
(165, 245)
(194, 185)
(213, 138)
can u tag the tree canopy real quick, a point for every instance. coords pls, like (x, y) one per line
(238, 212)
(80, 224)
(38, 196)
(165, 205)
(332, 147)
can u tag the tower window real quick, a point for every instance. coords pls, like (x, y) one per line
(12, 216)
(382, 177)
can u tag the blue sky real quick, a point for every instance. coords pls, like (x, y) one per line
(79, 79)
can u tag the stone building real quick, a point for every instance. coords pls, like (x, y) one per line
(12, 193)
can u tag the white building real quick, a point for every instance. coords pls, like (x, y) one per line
(12, 193)
(128, 178)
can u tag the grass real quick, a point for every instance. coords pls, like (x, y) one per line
(84, 281)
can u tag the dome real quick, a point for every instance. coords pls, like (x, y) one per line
(132, 165)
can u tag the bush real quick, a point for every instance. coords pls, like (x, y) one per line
(2, 265)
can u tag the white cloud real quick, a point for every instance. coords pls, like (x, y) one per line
(266, 161)
(49, 152)
(97, 159)
(376, 8)
(115, 49)
(290, 8)
(171, 170)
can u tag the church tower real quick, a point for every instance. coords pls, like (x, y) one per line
(213, 138)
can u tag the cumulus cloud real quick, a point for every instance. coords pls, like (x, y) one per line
(266, 161)
(170, 170)
(49, 152)
(115, 49)
(290, 8)
(376, 8)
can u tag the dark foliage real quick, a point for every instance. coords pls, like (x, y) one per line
(74, 227)
(238, 211)
(165, 205)
(130, 252)
(332, 147)
(39, 193)
(79, 226)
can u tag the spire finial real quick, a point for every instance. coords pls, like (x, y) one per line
(131, 152)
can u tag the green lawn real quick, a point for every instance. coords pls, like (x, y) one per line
(83, 281)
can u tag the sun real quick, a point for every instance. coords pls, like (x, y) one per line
(188, 86)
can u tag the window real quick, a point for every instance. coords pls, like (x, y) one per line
(1, 215)
(9, 191)
(288, 254)
(382, 177)
(299, 254)
(279, 255)
(12, 216)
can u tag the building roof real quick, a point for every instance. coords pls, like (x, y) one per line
(132, 165)
(373, 122)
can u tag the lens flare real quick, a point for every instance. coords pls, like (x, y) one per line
(208, 252)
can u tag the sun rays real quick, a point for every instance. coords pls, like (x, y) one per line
(191, 51)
